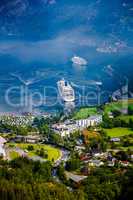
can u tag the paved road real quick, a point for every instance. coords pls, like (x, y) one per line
(64, 157)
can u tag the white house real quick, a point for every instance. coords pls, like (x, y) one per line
(132, 157)
(115, 139)
(95, 163)
(2, 150)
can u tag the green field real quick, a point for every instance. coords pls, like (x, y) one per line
(118, 105)
(83, 113)
(125, 118)
(126, 148)
(118, 132)
(13, 155)
(53, 153)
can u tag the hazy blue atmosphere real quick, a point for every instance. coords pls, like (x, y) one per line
(38, 38)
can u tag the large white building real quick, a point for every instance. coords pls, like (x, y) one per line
(69, 126)
(91, 121)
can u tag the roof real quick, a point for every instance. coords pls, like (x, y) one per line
(95, 117)
(74, 177)
(115, 139)
(97, 162)
(2, 140)
(32, 137)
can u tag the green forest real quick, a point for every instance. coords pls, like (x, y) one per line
(23, 179)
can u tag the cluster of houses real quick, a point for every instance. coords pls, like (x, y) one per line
(32, 139)
(17, 120)
(101, 159)
(69, 126)
(94, 161)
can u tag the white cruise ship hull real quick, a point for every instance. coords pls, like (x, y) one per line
(66, 93)
(78, 61)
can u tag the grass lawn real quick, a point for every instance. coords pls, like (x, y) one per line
(118, 132)
(126, 148)
(53, 153)
(126, 118)
(83, 113)
(13, 155)
(118, 105)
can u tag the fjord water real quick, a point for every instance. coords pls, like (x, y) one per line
(39, 38)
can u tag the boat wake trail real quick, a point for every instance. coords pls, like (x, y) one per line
(26, 82)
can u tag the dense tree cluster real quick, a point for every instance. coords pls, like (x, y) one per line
(23, 179)
(109, 184)
(116, 122)
(73, 164)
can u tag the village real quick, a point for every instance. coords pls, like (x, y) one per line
(80, 144)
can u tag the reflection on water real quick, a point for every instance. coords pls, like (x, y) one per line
(69, 107)
(79, 67)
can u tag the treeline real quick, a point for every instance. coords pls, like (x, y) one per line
(103, 183)
(23, 179)
(33, 191)
(116, 122)
(109, 184)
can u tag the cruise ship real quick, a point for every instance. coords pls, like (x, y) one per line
(78, 60)
(66, 91)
